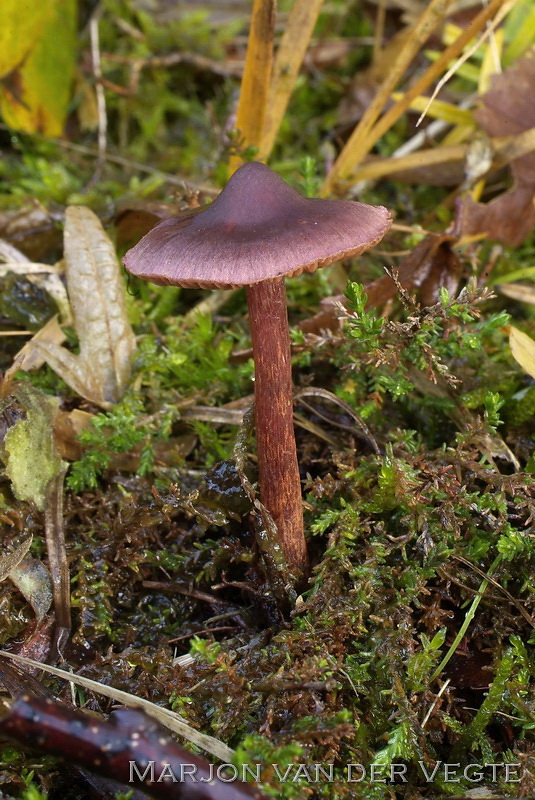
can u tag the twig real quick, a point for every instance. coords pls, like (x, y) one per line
(57, 558)
(113, 747)
(101, 98)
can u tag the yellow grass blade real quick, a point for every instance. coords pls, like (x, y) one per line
(491, 61)
(488, 33)
(422, 158)
(355, 147)
(522, 35)
(432, 72)
(504, 148)
(458, 135)
(290, 54)
(256, 77)
(467, 71)
(439, 110)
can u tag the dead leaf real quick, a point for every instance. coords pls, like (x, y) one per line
(45, 276)
(509, 218)
(32, 229)
(432, 265)
(429, 267)
(96, 292)
(518, 291)
(33, 582)
(9, 561)
(135, 219)
(29, 576)
(507, 109)
(30, 357)
(523, 349)
(67, 427)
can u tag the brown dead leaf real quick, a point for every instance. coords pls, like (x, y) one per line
(509, 218)
(507, 110)
(135, 219)
(432, 265)
(32, 229)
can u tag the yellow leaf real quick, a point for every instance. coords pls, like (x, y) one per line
(38, 73)
(523, 349)
(20, 28)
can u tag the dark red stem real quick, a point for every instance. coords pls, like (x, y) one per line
(280, 485)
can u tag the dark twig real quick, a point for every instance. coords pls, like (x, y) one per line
(57, 559)
(124, 748)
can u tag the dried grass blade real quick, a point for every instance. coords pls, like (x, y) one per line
(168, 718)
(500, 16)
(355, 148)
(290, 53)
(432, 72)
(422, 158)
(256, 78)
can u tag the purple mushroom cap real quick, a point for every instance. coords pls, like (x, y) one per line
(257, 229)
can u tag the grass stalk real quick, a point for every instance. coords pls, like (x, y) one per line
(355, 148)
(256, 79)
(290, 54)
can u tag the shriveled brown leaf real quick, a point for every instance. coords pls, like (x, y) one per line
(135, 219)
(67, 427)
(30, 357)
(32, 229)
(509, 218)
(432, 265)
(507, 109)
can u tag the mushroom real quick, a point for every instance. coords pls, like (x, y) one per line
(257, 232)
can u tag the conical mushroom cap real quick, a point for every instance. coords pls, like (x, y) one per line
(257, 229)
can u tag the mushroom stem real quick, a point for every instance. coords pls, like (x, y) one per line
(280, 485)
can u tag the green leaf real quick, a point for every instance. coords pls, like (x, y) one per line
(30, 452)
